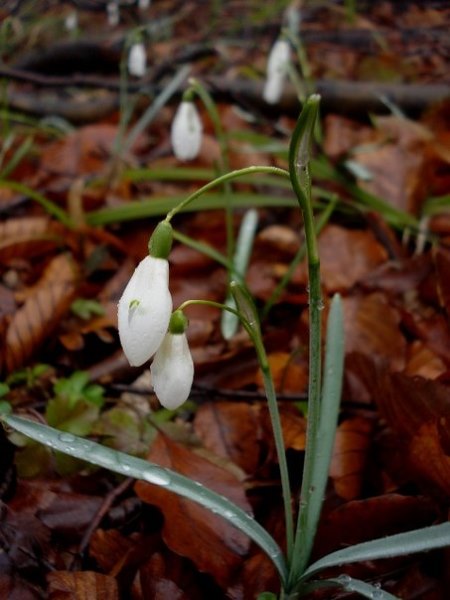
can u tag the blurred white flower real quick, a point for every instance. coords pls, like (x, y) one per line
(277, 67)
(143, 4)
(144, 310)
(186, 131)
(172, 371)
(71, 21)
(112, 10)
(137, 60)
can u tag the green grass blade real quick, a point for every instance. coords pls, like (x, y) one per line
(419, 540)
(243, 250)
(348, 584)
(138, 468)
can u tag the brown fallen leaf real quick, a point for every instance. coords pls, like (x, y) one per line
(231, 430)
(28, 237)
(81, 585)
(441, 257)
(41, 311)
(351, 445)
(372, 327)
(211, 542)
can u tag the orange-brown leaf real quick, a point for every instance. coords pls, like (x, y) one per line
(207, 539)
(351, 445)
(41, 311)
(81, 585)
(28, 237)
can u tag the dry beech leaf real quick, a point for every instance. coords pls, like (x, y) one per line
(442, 261)
(190, 530)
(288, 375)
(352, 443)
(29, 236)
(231, 430)
(81, 585)
(372, 328)
(346, 256)
(41, 311)
(423, 361)
(417, 410)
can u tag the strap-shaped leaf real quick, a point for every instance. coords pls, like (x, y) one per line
(138, 468)
(419, 540)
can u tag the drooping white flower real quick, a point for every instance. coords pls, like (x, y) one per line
(172, 371)
(143, 4)
(137, 60)
(277, 67)
(144, 310)
(186, 131)
(113, 13)
(71, 21)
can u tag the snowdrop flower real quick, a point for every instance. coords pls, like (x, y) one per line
(277, 66)
(146, 304)
(137, 60)
(186, 131)
(112, 11)
(172, 368)
(71, 21)
(143, 4)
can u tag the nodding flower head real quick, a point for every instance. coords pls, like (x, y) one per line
(172, 368)
(146, 304)
(277, 66)
(186, 131)
(137, 60)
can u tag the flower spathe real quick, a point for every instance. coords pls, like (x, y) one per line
(277, 66)
(186, 133)
(172, 371)
(137, 60)
(144, 310)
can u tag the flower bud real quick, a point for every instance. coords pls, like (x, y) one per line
(186, 131)
(160, 243)
(277, 66)
(112, 11)
(144, 310)
(137, 60)
(172, 369)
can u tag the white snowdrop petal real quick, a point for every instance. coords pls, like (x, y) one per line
(137, 60)
(172, 371)
(144, 310)
(186, 133)
(277, 66)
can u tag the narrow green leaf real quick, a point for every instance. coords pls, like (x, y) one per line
(138, 468)
(244, 246)
(349, 584)
(419, 540)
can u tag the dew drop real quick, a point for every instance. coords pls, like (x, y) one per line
(156, 476)
(66, 438)
(344, 580)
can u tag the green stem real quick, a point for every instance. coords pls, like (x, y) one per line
(253, 330)
(300, 177)
(224, 165)
(222, 179)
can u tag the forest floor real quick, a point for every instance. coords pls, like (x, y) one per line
(83, 182)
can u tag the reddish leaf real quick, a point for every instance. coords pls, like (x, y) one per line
(347, 256)
(442, 261)
(28, 237)
(209, 541)
(41, 312)
(351, 446)
(372, 328)
(81, 585)
(231, 430)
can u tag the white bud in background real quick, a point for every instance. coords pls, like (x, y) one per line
(143, 4)
(137, 60)
(112, 10)
(144, 310)
(71, 21)
(186, 134)
(277, 67)
(172, 371)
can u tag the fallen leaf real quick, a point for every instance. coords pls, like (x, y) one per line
(213, 544)
(81, 585)
(41, 312)
(351, 446)
(28, 237)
